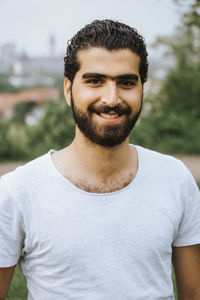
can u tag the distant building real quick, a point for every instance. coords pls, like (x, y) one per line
(22, 64)
(38, 65)
(31, 80)
(7, 57)
(39, 95)
(52, 45)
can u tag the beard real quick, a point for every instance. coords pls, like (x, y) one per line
(105, 135)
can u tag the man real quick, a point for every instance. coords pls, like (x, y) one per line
(102, 219)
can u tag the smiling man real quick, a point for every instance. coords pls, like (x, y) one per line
(102, 219)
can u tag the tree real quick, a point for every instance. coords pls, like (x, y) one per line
(55, 130)
(192, 17)
(173, 123)
(12, 142)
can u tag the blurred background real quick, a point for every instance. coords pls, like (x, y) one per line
(33, 37)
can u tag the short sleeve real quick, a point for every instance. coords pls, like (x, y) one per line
(189, 227)
(11, 227)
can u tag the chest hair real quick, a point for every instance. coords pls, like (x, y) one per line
(106, 185)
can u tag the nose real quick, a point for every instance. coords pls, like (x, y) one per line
(110, 96)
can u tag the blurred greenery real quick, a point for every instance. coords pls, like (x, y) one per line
(21, 110)
(192, 15)
(5, 86)
(22, 142)
(56, 129)
(18, 289)
(172, 124)
(13, 141)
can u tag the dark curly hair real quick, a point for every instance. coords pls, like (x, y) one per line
(109, 34)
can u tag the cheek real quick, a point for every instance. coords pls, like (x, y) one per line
(84, 97)
(134, 99)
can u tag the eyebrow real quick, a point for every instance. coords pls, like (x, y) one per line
(103, 76)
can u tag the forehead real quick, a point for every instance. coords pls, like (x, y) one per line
(113, 63)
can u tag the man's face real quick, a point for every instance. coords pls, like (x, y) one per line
(106, 95)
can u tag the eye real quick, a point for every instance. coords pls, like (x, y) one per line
(126, 83)
(94, 81)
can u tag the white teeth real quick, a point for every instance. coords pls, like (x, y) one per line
(107, 116)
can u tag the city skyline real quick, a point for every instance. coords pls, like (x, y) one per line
(36, 26)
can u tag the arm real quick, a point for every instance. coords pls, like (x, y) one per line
(186, 262)
(5, 279)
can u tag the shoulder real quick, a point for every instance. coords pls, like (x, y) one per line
(165, 167)
(25, 176)
(162, 162)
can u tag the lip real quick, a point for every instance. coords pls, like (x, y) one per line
(109, 121)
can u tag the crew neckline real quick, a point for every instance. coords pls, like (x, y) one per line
(66, 181)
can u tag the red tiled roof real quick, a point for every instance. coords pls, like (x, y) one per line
(39, 95)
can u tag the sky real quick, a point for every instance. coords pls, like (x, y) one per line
(29, 23)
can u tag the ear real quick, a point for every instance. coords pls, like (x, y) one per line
(67, 90)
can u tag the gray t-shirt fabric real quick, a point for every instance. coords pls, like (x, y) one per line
(72, 244)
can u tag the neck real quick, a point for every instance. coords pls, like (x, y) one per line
(98, 159)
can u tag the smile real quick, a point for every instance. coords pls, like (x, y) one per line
(109, 116)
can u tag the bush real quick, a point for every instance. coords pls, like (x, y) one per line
(55, 130)
(13, 142)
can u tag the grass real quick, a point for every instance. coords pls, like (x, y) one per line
(174, 284)
(18, 290)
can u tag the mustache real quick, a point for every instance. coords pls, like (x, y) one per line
(101, 108)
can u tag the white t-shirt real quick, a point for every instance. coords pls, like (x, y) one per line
(72, 244)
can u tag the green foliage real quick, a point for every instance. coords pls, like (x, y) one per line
(168, 132)
(5, 86)
(17, 290)
(174, 284)
(22, 142)
(20, 111)
(192, 17)
(13, 141)
(181, 90)
(172, 124)
(55, 130)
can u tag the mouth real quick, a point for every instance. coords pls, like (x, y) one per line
(107, 113)
(109, 116)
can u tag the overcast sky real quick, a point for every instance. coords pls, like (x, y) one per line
(29, 23)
